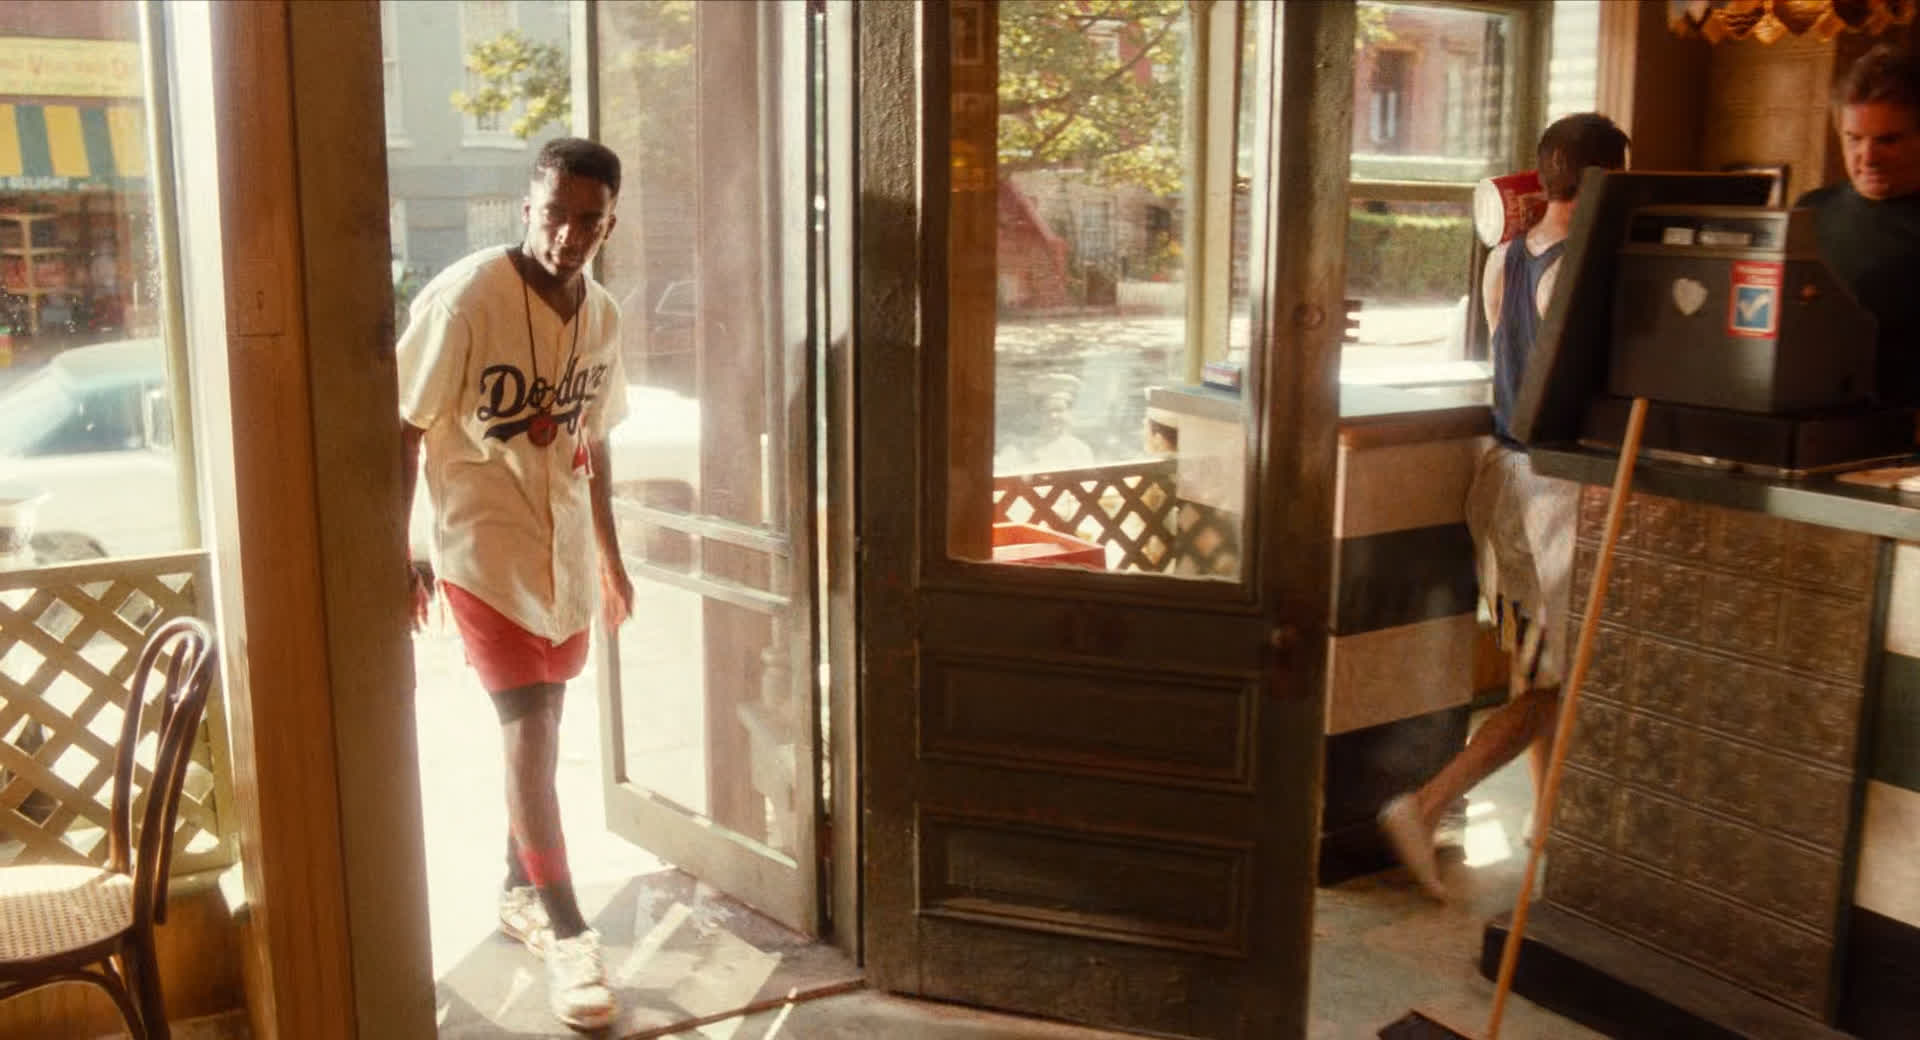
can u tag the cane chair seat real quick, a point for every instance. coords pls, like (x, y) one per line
(94, 924)
(51, 909)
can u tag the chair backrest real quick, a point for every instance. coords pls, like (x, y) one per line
(185, 647)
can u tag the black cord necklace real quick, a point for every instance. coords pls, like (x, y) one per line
(541, 429)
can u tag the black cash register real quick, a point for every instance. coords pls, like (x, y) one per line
(1684, 289)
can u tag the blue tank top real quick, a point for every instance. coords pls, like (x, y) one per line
(1519, 321)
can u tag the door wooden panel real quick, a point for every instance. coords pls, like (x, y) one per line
(1194, 728)
(1090, 795)
(1170, 891)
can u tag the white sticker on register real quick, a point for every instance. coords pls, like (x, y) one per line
(1688, 295)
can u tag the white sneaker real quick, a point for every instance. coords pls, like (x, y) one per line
(524, 917)
(577, 984)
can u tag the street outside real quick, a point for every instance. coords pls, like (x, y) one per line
(1105, 363)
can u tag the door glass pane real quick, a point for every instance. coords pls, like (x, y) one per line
(86, 401)
(1098, 268)
(1433, 93)
(711, 684)
(1435, 101)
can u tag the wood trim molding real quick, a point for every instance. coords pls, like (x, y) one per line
(299, 981)
(897, 259)
(842, 838)
(362, 527)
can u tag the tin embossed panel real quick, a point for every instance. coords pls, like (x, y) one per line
(1705, 804)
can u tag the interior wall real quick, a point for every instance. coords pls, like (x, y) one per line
(1689, 104)
(1653, 84)
(1768, 104)
(1765, 105)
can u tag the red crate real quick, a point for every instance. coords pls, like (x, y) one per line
(1031, 543)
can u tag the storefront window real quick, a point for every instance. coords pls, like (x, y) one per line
(98, 530)
(1439, 101)
(85, 387)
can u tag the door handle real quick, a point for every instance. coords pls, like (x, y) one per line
(1284, 639)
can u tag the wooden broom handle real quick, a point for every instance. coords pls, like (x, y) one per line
(1569, 699)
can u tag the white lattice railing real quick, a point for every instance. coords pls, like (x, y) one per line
(70, 636)
(1132, 508)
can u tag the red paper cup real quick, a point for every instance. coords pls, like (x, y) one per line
(1505, 206)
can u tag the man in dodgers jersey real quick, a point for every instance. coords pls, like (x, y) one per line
(510, 378)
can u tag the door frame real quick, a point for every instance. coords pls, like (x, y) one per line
(900, 269)
(274, 101)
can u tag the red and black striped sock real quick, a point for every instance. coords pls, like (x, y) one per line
(547, 870)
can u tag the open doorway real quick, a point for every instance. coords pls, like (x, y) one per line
(689, 778)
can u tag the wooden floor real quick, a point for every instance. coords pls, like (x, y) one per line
(866, 1015)
(676, 952)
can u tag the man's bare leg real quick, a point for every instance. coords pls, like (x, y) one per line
(530, 733)
(1410, 821)
(1514, 727)
(1539, 754)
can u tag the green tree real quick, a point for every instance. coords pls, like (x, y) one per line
(1093, 85)
(655, 55)
(512, 68)
(1371, 27)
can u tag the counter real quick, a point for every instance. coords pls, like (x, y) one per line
(1404, 637)
(1737, 846)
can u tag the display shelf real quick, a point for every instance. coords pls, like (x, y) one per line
(33, 286)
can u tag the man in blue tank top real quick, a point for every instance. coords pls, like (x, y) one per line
(1522, 523)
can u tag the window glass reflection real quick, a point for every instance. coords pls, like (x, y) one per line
(1098, 266)
(85, 419)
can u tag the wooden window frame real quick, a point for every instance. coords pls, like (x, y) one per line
(1531, 46)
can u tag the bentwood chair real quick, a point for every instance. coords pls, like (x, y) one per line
(94, 924)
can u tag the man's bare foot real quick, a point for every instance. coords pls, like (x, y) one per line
(1412, 842)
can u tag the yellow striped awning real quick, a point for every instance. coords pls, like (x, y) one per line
(70, 147)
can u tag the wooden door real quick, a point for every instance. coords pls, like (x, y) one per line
(1091, 777)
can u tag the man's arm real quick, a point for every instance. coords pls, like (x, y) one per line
(410, 463)
(418, 595)
(616, 589)
(1543, 295)
(1493, 286)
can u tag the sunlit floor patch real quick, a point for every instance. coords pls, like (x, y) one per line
(1487, 843)
(1486, 838)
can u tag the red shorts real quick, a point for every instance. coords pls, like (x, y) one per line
(506, 655)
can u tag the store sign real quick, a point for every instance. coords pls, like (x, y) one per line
(34, 66)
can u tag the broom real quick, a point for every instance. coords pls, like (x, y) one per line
(1418, 1026)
